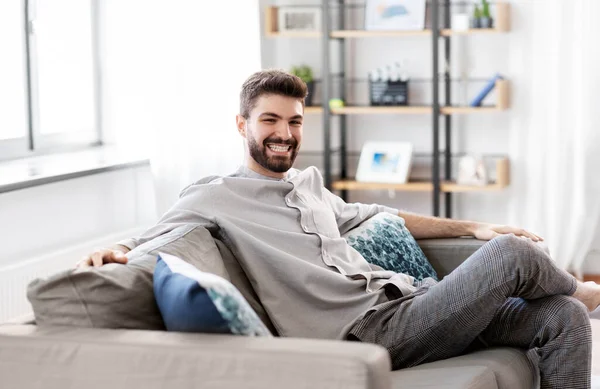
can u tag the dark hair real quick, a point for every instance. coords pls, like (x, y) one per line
(267, 82)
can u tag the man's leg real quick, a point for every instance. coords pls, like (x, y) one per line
(558, 327)
(444, 320)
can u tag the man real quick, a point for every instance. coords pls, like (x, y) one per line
(285, 229)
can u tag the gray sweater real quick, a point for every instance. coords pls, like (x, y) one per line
(286, 235)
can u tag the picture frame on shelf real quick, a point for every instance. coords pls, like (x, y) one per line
(472, 171)
(385, 162)
(299, 19)
(392, 15)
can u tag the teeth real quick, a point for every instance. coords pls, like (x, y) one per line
(279, 148)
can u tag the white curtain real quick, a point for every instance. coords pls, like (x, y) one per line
(172, 75)
(555, 142)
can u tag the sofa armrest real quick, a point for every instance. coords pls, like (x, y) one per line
(447, 254)
(122, 359)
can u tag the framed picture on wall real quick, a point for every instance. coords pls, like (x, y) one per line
(299, 19)
(395, 14)
(387, 162)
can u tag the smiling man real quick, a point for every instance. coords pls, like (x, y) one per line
(285, 229)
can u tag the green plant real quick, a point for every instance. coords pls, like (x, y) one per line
(304, 72)
(486, 9)
(477, 13)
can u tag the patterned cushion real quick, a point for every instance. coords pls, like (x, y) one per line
(383, 240)
(191, 300)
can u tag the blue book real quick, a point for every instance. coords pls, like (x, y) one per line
(486, 90)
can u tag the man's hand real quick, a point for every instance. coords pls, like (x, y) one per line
(490, 231)
(101, 257)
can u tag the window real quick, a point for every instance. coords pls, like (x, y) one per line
(13, 99)
(48, 99)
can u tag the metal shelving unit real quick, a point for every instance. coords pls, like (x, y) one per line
(440, 30)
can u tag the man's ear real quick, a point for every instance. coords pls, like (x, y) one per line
(240, 121)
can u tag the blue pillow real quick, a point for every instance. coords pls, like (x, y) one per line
(190, 300)
(383, 240)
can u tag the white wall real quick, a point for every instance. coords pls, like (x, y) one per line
(52, 217)
(50, 227)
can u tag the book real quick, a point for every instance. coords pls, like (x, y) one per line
(476, 102)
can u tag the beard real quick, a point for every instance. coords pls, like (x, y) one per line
(274, 163)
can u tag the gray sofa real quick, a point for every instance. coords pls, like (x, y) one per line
(59, 356)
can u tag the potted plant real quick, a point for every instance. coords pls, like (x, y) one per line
(476, 21)
(306, 74)
(486, 16)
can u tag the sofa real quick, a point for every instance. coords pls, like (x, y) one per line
(53, 351)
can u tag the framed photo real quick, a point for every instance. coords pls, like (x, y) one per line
(387, 162)
(395, 14)
(296, 19)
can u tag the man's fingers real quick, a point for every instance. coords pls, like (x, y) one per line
(101, 257)
(119, 257)
(97, 260)
(530, 235)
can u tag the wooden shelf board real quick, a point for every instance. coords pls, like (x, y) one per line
(415, 186)
(467, 110)
(502, 181)
(410, 110)
(380, 34)
(289, 34)
(470, 31)
(374, 34)
(313, 110)
(357, 110)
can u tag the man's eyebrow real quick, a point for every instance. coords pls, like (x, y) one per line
(279, 117)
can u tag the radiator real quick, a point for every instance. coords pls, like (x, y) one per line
(15, 277)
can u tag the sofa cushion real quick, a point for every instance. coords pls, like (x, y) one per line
(461, 377)
(194, 301)
(122, 296)
(383, 240)
(445, 255)
(113, 296)
(512, 369)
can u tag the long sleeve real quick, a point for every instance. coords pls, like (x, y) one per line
(350, 215)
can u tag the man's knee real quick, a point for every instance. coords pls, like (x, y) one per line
(568, 313)
(520, 250)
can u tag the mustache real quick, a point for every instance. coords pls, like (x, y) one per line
(291, 142)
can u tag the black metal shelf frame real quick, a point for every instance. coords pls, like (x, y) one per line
(326, 93)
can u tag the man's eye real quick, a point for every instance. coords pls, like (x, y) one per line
(269, 120)
(296, 123)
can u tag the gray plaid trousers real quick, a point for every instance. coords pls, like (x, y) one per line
(508, 293)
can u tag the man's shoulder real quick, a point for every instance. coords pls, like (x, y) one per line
(201, 182)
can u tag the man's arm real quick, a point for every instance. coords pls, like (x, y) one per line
(424, 227)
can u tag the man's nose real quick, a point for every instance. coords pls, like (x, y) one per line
(284, 131)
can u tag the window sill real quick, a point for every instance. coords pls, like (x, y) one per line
(34, 171)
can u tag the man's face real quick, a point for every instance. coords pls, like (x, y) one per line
(274, 132)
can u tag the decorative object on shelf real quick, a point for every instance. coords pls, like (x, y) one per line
(476, 20)
(460, 22)
(395, 15)
(299, 19)
(489, 86)
(387, 162)
(472, 171)
(482, 17)
(388, 86)
(336, 103)
(486, 17)
(306, 74)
